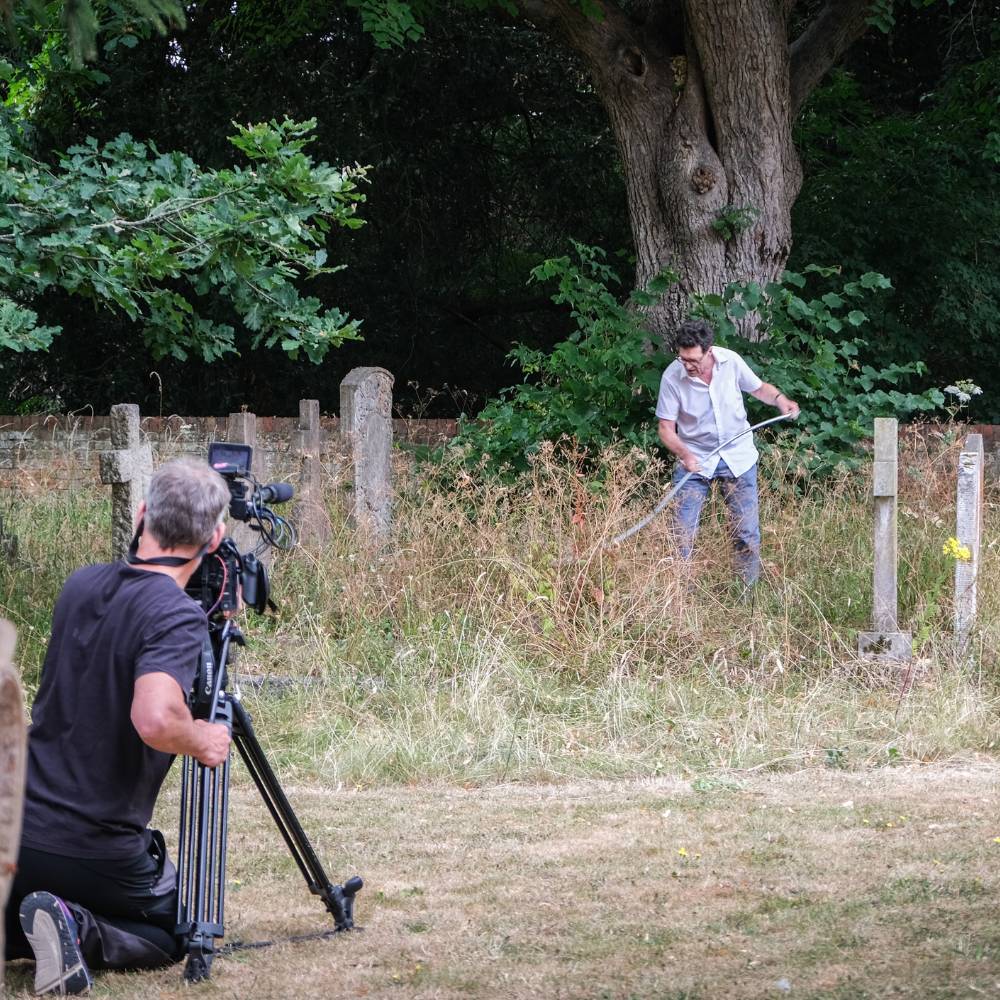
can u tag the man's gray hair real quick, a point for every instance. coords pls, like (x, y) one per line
(694, 333)
(185, 501)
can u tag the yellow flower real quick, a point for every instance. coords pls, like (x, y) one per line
(954, 548)
(682, 851)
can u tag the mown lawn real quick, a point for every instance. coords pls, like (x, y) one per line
(819, 883)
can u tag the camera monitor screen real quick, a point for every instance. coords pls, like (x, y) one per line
(230, 459)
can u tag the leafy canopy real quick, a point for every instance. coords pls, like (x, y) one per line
(82, 21)
(158, 238)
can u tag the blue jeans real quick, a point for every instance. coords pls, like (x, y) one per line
(740, 496)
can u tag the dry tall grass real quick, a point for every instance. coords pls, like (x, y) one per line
(498, 638)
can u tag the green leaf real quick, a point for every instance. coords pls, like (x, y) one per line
(872, 279)
(136, 231)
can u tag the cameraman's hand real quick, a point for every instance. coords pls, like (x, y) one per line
(213, 739)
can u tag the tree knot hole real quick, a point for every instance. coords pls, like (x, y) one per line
(634, 61)
(702, 180)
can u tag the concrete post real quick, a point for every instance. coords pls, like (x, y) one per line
(366, 426)
(968, 531)
(885, 641)
(311, 517)
(127, 467)
(242, 429)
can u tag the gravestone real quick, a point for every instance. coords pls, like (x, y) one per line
(127, 468)
(13, 749)
(366, 428)
(968, 531)
(885, 641)
(310, 517)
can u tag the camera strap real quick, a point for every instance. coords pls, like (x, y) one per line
(132, 556)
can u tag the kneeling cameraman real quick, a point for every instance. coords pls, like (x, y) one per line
(94, 887)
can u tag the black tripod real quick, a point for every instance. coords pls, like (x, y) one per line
(201, 862)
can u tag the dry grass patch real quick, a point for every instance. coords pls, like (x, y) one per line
(818, 884)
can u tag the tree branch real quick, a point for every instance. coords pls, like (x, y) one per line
(601, 37)
(823, 42)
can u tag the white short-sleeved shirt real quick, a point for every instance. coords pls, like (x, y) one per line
(707, 415)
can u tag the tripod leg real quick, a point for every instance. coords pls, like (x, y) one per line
(338, 899)
(201, 867)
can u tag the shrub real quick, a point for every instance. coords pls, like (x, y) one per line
(595, 387)
(839, 396)
(600, 384)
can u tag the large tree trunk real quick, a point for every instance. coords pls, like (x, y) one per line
(701, 95)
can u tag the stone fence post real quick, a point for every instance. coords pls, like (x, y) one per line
(242, 429)
(310, 517)
(366, 428)
(885, 641)
(127, 467)
(968, 531)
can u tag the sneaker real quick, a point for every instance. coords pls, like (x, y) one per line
(51, 931)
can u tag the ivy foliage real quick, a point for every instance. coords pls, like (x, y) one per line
(154, 236)
(600, 384)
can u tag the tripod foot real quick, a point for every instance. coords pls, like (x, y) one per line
(198, 967)
(339, 900)
(201, 951)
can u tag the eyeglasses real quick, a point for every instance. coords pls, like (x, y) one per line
(695, 362)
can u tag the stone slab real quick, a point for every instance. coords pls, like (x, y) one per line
(366, 429)
(13, 751)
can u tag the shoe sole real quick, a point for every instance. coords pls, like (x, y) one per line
(59, 967)
(13, 749)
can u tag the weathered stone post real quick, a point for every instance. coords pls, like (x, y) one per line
(8, 544)
(127, 468)
(242, 429)
(968, 531)
(885, 640)
(366, 427)
(12, 758)
(310, 517)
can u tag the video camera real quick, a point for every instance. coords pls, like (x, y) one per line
(226, 574)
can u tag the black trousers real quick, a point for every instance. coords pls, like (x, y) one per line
(126, 909)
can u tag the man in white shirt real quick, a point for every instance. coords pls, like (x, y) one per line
(699, 407)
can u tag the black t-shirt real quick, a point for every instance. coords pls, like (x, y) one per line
(92, 783)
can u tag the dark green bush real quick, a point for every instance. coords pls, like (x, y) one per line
(600, 384)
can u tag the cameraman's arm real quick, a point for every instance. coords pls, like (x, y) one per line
(164, 722)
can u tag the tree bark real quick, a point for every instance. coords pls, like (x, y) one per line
(701, 95)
